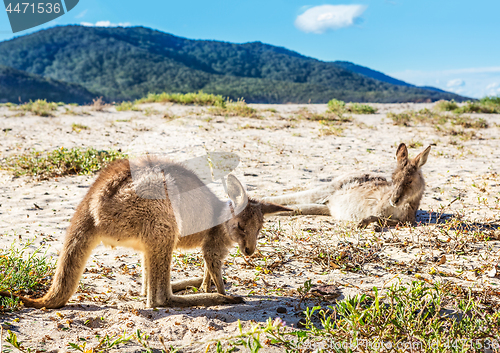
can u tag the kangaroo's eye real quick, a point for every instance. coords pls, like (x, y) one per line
(240, 227)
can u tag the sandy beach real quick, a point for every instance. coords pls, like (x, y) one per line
(281, 151)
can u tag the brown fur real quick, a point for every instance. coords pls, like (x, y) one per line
(113, 213)
(367, 198)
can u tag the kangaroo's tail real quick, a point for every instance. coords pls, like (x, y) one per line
(80, 240)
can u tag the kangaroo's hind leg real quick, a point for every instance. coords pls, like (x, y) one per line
(176, 286)
(158, 260)
(307, 209)
(157, 265)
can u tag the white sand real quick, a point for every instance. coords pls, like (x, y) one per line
(278, 155)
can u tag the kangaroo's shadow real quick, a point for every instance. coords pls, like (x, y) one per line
(430, 217)
(454, 223)
(256, 307)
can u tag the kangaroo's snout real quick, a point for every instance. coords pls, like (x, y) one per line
(395, 203)
(396, 198)
(247, 250)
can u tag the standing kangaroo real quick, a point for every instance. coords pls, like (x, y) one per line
(367, 198)
(121, 210)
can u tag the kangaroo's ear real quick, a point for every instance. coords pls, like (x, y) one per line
(236, 192)
(270, 208)
(420, 160)
(402, 153)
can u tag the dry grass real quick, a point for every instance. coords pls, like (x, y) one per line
(98, 105)
(78, 127)
(238, 108)
(487, 105)
(331, 130)
(126, 105)
(445, 123)
(339, 107)
(306, 114)
(39, 107)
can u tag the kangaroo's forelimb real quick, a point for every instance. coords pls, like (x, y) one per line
(381, 221)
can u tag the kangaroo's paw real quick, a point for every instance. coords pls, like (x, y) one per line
(367, 221)
(381, 222)
(363, 224)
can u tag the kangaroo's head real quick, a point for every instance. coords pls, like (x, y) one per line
(244, 227)
(408, 182)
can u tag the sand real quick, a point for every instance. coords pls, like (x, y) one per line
(279, 153)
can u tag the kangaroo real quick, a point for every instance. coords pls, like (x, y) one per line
(367, 198)
(121, 210)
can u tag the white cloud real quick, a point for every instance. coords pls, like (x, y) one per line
(106, 24)
(477, 81)
(493, 89)
(81, 14)
(455, 83)
(319, 19)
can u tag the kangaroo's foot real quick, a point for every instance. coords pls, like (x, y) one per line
(383, 222)
(204, 299)
(186, 283)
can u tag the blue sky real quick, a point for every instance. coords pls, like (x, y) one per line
(450, 44)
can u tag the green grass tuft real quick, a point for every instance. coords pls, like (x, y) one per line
(39, 107)
(438, 120)
(487, 105)
(357, 108)
(446, 106)
(125, 105)
(23, 273)
(199, 98)
(339, 107)
(413, 317)
(60, 162)
(492, 101)
(78, 127)
(239, 108)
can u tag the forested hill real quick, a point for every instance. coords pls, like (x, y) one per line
(127, 63)
(19, 86)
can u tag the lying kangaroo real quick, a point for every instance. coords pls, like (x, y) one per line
(126, 211)
(367, 198)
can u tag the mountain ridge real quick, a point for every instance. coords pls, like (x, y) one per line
(19, 86)
(128, 63)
